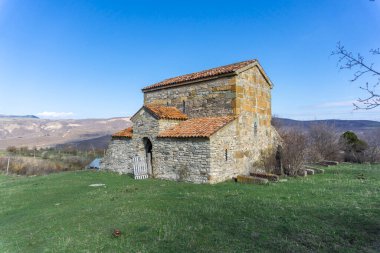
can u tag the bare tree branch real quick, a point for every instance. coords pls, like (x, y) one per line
(347, 60)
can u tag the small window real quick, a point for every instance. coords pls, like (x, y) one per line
(183, 106)
(226, 154)
(255, 128)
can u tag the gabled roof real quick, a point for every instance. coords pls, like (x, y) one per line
(197, 127)
(162, 112)
(165, 112)
(223, 70)
(127, 133)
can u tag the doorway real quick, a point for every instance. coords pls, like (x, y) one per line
(148, 154)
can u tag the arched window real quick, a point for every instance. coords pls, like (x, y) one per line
(183, 106)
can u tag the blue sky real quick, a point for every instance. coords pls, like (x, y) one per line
(90, 59)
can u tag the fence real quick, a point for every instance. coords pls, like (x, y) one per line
(140, 167)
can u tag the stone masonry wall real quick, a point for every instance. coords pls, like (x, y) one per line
(145, 126)
(120, 151)
(183, 159)
(254, 130)
(253, 96)
(223, 166)
(118, 156)
(165, 124)
(207, 98)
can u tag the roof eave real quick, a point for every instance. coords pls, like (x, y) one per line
(121, 137)
(184, 137)
(203, 136)
(169, 86)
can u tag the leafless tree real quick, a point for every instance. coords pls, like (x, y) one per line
(323, 142)
(362, 70)
(372, 153)
(293, 151)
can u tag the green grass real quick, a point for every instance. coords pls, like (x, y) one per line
(335, 212)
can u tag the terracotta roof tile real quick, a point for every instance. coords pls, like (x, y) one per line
(166, 112)
(200, 75)
(124, 133)
(197, 127)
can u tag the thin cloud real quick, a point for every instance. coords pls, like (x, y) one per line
(55, 114)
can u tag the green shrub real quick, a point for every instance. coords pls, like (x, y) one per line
(353, 147)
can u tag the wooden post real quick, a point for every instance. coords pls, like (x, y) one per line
(8, 165)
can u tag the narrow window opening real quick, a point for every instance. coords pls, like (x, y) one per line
(183, 106)
(255, 128)
(226, 154)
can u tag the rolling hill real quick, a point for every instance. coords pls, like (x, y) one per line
(95, 133)
(34, 132)
(361, 127)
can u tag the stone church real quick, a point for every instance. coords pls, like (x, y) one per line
(204, 127)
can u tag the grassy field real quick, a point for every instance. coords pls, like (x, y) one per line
(338, 211)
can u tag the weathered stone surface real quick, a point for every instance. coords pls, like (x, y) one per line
(309, 171)
(270, 177)
(183, 160)
(322, 164)
(316, 170)
(251, 180)
(118, 157)
(231, 151)
(212, 97)
(333, 163)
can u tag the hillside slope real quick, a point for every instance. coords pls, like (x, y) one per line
(361, 127)
(95, 133)
(34, 132)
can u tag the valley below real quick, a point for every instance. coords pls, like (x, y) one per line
(42, 133)
(32, 132)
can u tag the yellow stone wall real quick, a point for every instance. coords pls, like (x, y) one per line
(252, 105)
(253, 96)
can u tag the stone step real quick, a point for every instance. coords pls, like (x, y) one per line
(322, 164)
(333, 163)
(251, 180)
(319, 171)
(270, 177)
(310, 171)
(316, 170)
(327, 163)
(302, 173)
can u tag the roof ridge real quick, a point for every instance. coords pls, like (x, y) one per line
(216, 71)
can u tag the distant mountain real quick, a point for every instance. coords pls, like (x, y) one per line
(96, 133)
(357, 126)
(34, 132)
(19, 116)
